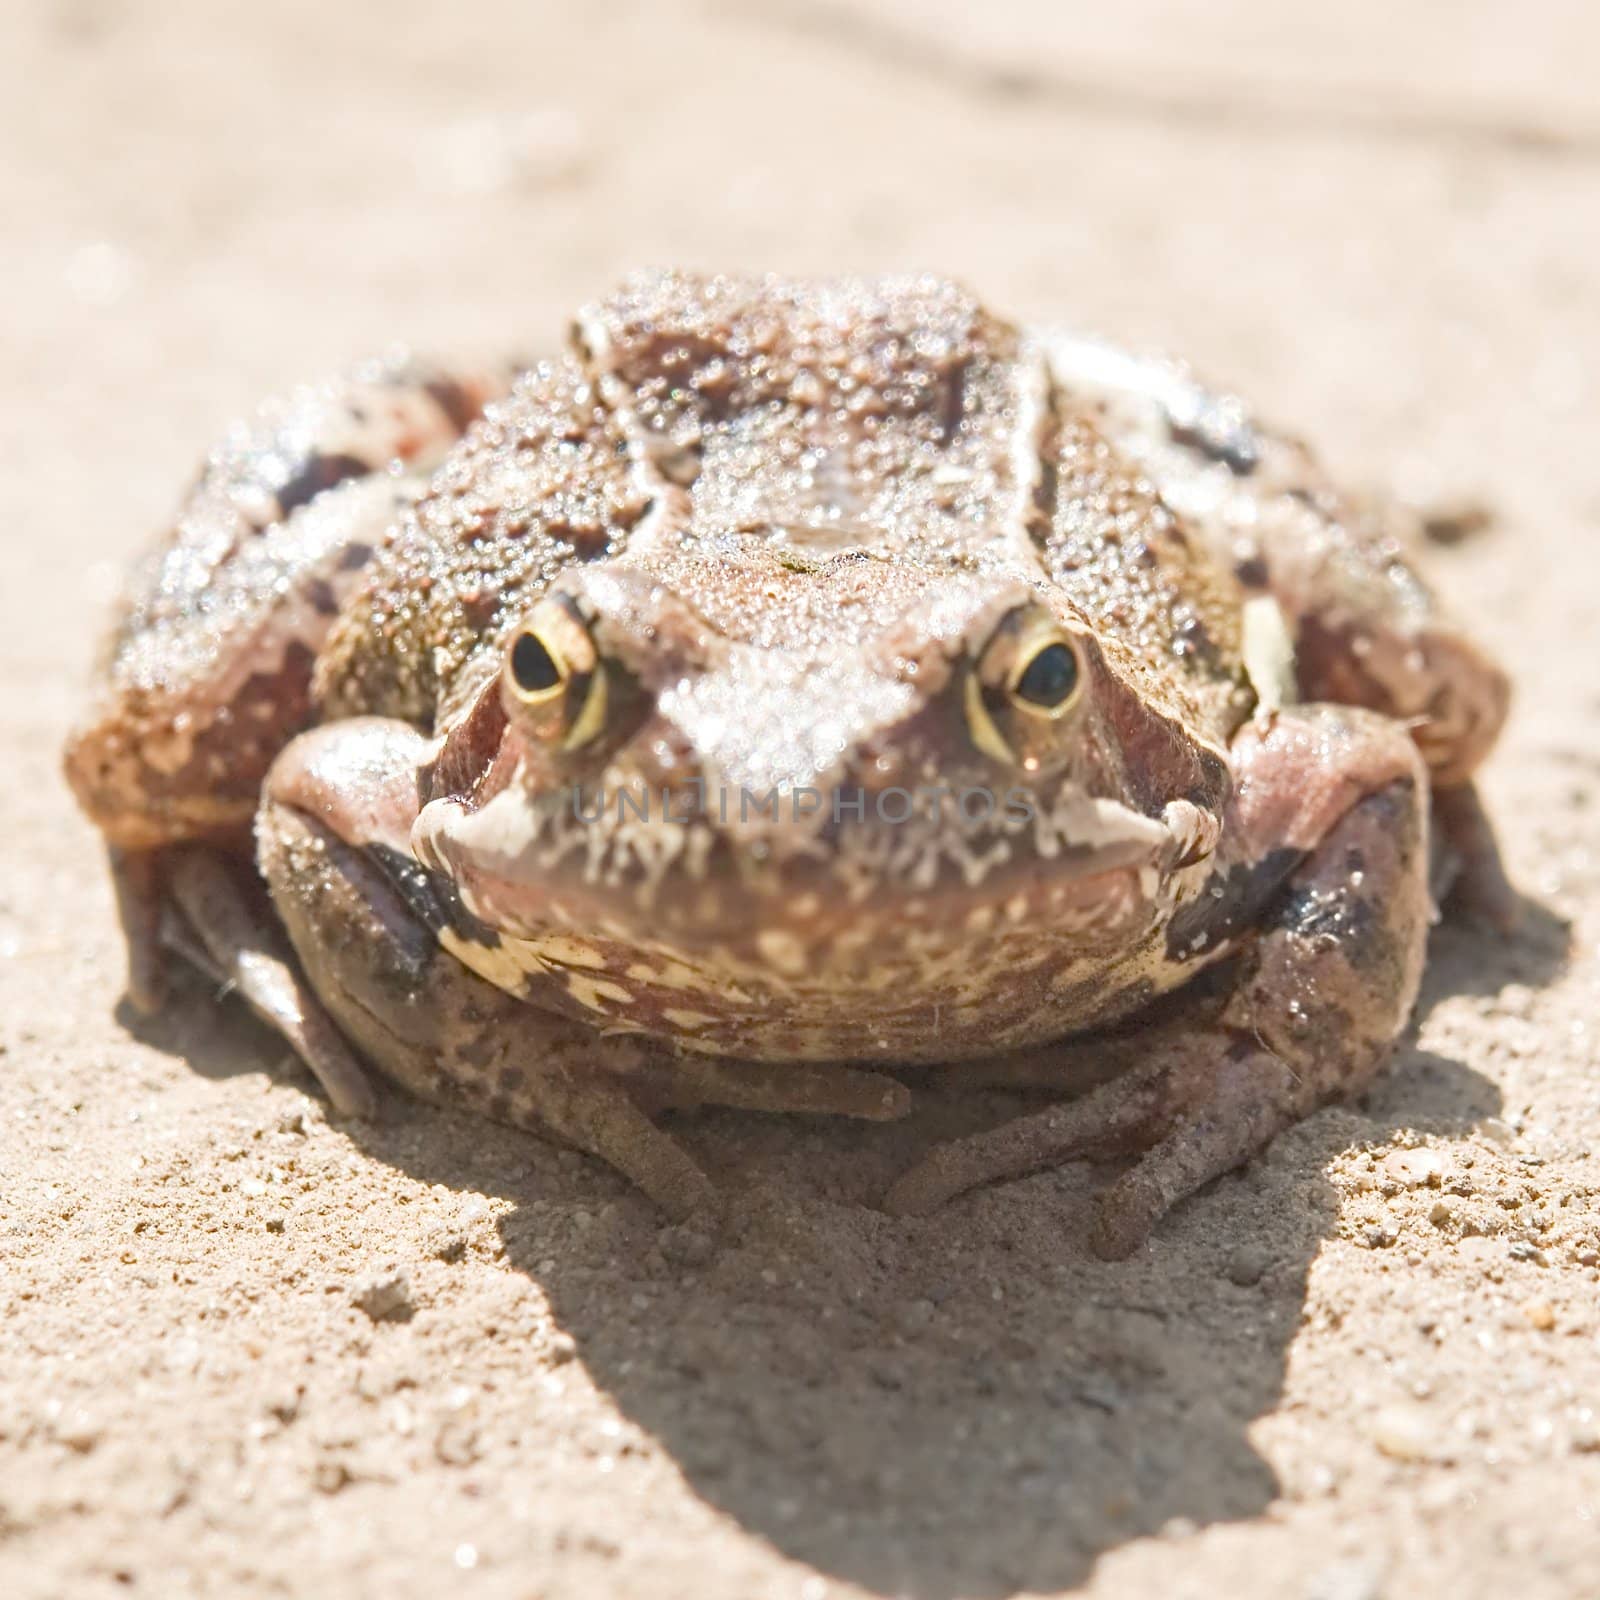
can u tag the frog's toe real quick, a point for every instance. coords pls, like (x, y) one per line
(602, 1119)
(1116, 1115)
(1229, 1117)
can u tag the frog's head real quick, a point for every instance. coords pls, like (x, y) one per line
(787, 769)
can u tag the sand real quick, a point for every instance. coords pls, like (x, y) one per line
(245, 1350)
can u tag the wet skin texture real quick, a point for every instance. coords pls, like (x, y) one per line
(752, 540)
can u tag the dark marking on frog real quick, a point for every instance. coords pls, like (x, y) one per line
(1252, 572)
(1131, 1000)
(953, 401)
(431, 899)
(319, 472)
(454, 401)
(1331, 920)
(1230, 904)
(1046, 493)
(1218, 437)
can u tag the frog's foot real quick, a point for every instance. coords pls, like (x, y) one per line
(212, 921)
(1198, 1108)
(1324, 990)
(1473, 873)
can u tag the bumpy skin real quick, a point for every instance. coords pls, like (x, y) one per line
(751, 539)
(206, 673)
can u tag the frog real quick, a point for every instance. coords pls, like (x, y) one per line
(801, 696)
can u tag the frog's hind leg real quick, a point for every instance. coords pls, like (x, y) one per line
(136, 882)
(1468, 867)
(207, 673)
(1115, 1116)
(1195, 1109)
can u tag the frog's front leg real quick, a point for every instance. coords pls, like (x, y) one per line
(365, 919)
(1332, 862)
(339, 802)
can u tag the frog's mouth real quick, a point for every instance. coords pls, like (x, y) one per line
(1085, 867)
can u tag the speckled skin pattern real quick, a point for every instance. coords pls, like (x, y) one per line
(763, 539)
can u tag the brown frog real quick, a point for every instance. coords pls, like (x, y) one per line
(793, 683)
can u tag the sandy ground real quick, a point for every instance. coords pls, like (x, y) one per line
(1366, 1367)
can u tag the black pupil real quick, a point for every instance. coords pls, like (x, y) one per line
(533, 666)
(1050, 677)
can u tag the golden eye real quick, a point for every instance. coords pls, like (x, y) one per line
(1029, 672)
(536, 670)
(554, 669)
(1048, 681)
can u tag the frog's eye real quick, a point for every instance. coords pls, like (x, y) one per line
(536, 670)
(1048, 681)
(554, 670)
(1030, 672)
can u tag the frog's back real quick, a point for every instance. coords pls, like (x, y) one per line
(722, 432)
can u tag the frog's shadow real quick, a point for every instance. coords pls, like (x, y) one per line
(967, 1404)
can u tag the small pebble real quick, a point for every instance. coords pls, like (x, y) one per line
(684, 1246)
(1415, 1169)
(456, 1442)
(561, 1349)
(285, 1406)
(385, 1299)
(78, 1431)
(1441, 1215)
(1246, 1266)
(1540, 1314)
(1406, 1433)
